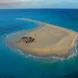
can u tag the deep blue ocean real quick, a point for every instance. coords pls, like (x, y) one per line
(14, 65)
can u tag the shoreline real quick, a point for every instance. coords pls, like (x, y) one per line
(29, 55)
(42, 23)
(68, 55)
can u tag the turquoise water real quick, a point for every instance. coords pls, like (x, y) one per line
(14, 65)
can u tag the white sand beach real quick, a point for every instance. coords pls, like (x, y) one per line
(49, 40)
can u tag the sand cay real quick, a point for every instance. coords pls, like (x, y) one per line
(49, 40)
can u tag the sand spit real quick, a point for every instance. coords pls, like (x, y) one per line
(50, 41)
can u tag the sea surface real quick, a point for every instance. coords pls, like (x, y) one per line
(15, 65)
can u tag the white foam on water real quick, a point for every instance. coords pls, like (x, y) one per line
(62, 59)
(72, 55)
(20, 52)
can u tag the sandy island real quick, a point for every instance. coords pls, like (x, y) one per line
(49, 40)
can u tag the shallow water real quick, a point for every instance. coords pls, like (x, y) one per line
(13, 64)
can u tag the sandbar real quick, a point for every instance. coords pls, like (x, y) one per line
(49, 40)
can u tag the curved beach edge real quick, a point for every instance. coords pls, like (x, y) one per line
(11, 44)
(26, 55)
